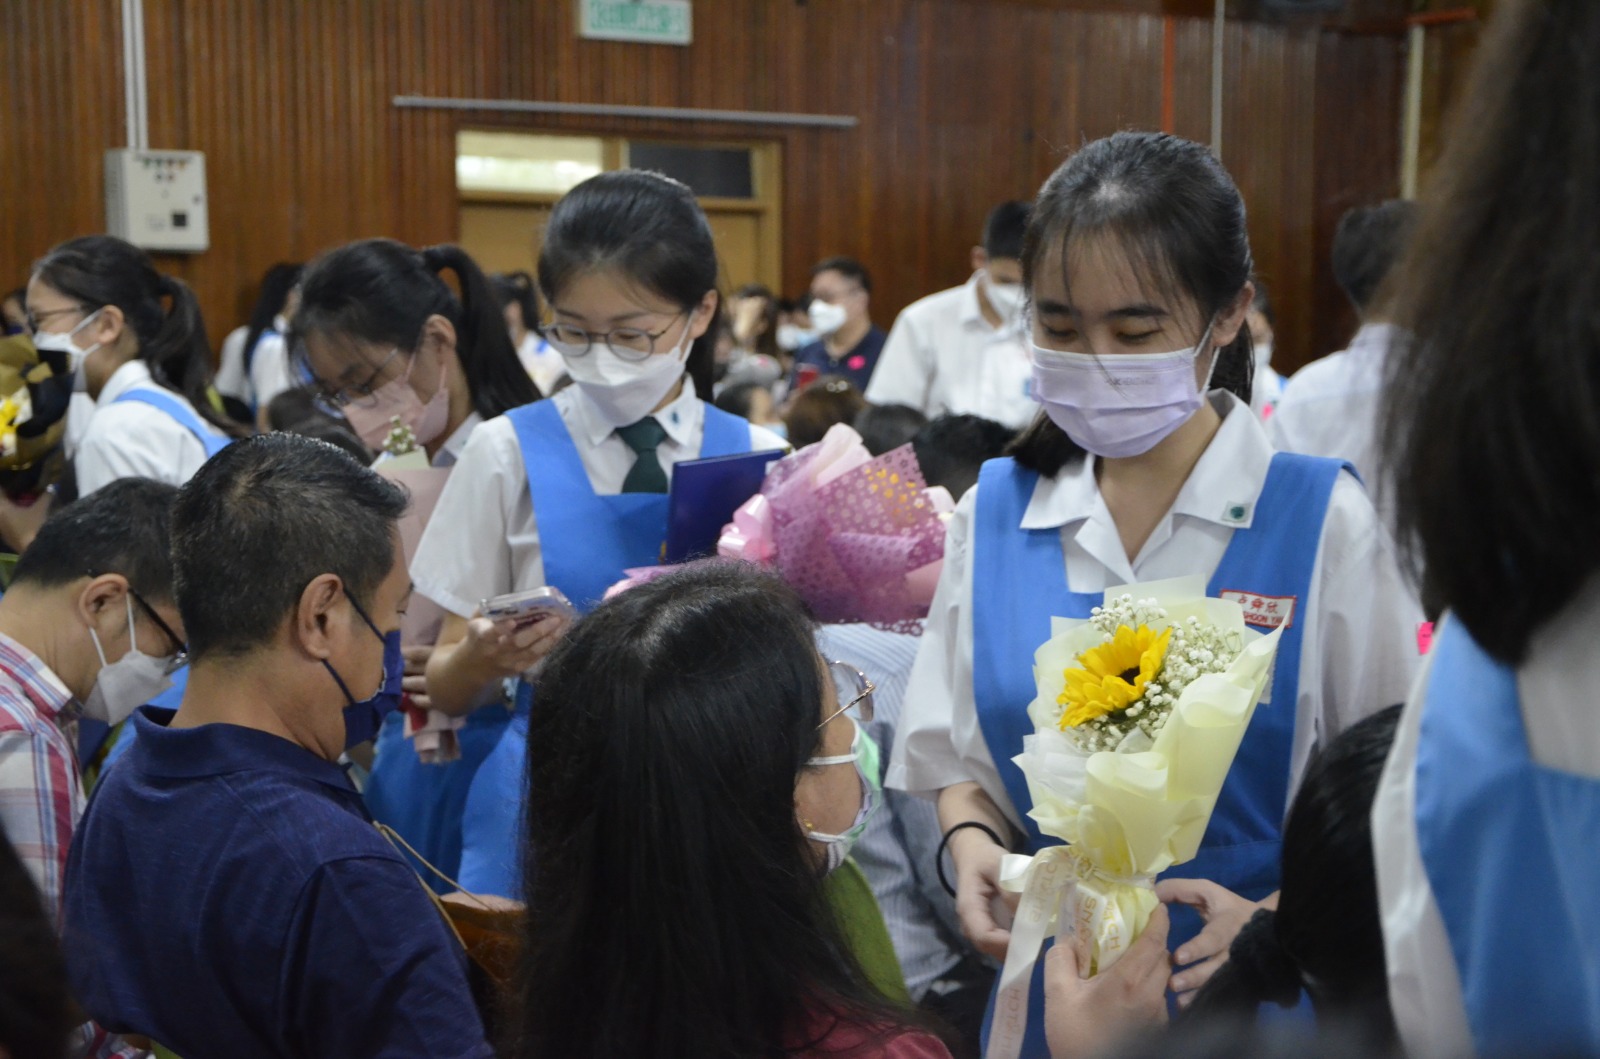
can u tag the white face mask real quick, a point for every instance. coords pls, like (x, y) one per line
(129, 682)
(1119, 405)
(1004, 298)
(864, 754)
(61, 342)
(827, 318)
(792, 336)
(625, 391)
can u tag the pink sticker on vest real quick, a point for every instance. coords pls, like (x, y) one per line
(856, 363)
(1424, 637)
(1269, 612)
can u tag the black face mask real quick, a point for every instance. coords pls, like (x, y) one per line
(362, 719)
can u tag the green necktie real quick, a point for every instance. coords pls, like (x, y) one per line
(646, 475)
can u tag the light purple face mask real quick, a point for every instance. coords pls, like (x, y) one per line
(1121, 404)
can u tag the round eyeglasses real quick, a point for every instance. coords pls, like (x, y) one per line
(854, 690)
(628, 343)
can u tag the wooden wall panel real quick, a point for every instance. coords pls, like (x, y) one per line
(961, 103)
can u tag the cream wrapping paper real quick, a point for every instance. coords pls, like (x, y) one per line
(1125, 815)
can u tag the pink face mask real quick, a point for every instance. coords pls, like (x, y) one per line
(372, 417)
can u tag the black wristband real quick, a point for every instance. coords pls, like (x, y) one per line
(944, 843)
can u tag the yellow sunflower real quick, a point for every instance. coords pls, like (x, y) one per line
(1114, 675)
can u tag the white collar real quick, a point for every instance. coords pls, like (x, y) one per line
(1223, 487)
(450, 451)
(679, 419)
(132, 374)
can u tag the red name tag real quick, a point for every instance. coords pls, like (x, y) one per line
(1269, 612)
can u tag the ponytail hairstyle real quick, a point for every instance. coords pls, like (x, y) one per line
(1175, 214)
(383, 291)
(275, 287)
(101, 270)
(650, 229)
(1326, 936)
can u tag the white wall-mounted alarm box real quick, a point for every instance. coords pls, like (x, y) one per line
(157, 199)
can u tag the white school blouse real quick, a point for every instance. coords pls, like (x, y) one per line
(483, 539)
(1359, 653)
(129, 439)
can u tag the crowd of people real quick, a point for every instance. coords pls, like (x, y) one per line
(278, 777)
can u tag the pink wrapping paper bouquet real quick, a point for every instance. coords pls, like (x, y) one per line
(860, 538)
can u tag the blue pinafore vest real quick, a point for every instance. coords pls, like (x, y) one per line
(1509, 850)
(1019, 584)
(587, 541)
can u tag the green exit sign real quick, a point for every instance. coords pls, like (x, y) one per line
(643, 21)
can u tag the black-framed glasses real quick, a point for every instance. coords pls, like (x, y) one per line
(32, 319)
(628, 343)
(180, 649)
(334, 402)
(855, 691)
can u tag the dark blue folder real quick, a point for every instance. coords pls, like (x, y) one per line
(705, 494)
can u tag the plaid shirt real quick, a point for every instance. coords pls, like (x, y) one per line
(41, 794)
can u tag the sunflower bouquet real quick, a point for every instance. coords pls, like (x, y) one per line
(1138, 714)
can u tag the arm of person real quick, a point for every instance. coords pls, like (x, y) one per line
(473, 657)
(36, 811)
(904, 374)
(977, 858)
(371, 969)
(1084, 1016)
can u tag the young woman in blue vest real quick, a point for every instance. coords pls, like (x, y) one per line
(136, 337)
(386, 338)
(572, 491)
(1147, 464)
(1486, 821)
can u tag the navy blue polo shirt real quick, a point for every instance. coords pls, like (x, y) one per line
(227, 895)
(856, 365)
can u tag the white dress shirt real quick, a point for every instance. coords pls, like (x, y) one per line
(1359, 651)
(943, 357)
(483, 539)
(231, 380)
(1331, 407)
(130, 439)
(1556, 685)
(270, 370)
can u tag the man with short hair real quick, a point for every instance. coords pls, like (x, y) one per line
(1331, 406)
(841, 304)
(227, 893)
(87, 628)
(964, 350)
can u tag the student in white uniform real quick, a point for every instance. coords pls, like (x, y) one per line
(385, 339)
(962, 351)
(1486, 820)
(269, 317)
(514, 290)
(571, 492)
(144, 363)
(1148, 464)
(1330, 407)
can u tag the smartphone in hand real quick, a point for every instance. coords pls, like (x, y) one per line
(529, 608)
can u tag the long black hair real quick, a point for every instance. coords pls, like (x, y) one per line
(674, 907)
(275, 287)
(1176, 214)
(101, 270)
(650, 229)
(1492, 419)
(1326, 935)
(383, 291)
